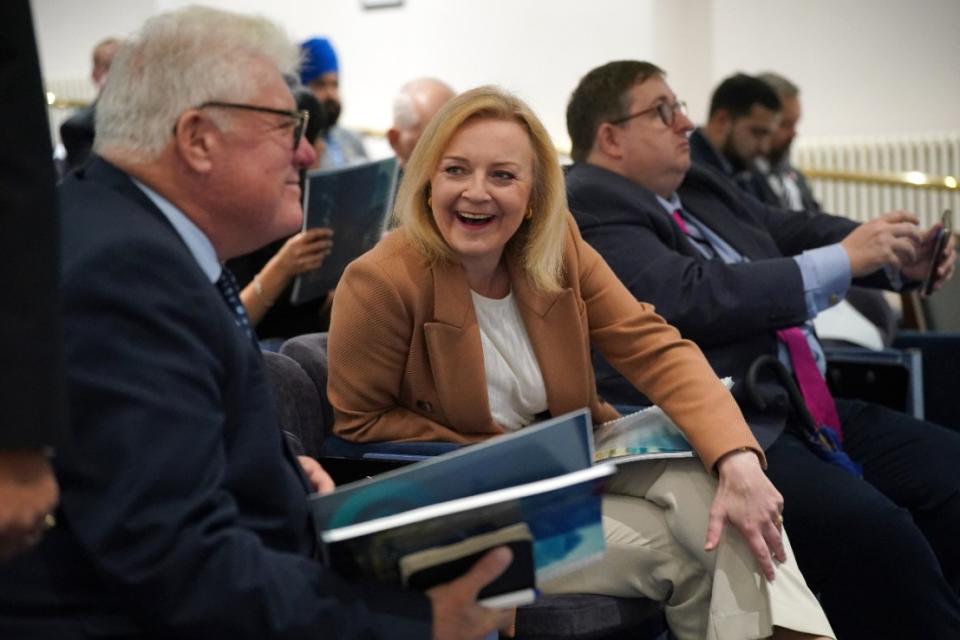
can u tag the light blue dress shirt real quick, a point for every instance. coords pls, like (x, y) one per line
(825, 272)
(196, 240)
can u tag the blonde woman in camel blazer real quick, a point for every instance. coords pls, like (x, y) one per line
(482, 210)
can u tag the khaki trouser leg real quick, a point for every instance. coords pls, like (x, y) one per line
(644, 559)
(655, 523)
(743, 604)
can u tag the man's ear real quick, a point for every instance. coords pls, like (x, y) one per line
(196, 138)
(609, 140)
(393, 137)
(722, 121)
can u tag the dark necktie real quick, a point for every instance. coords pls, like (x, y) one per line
(227, 285)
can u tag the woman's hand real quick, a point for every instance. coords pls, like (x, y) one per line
(303, 252)
(300, 253)
(748, 500)
(320, 479)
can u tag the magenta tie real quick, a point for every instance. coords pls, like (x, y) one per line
(812, 385)
(680, 222)
(814, 388)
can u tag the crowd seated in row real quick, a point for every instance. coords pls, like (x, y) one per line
(511, 290)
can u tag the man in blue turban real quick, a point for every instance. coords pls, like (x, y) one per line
(321, 73)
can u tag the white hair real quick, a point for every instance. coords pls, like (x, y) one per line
(404, 105)
(177, 61)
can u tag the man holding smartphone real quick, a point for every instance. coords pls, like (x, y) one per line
(871, 495)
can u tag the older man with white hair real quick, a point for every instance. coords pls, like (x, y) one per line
(413, 108)
(183, 512)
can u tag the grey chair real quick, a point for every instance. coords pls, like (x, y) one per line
(298, 377)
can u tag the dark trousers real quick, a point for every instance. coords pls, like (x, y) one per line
(883, 552)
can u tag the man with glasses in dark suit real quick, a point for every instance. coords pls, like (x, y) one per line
(741, 280)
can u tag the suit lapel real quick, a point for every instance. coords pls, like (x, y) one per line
(715, 213)
(455, 351)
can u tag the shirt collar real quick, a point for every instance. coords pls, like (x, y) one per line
(671, 204)
(195, 239)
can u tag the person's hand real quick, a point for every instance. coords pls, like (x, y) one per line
(890, 240)
(747, 500)
(28, 496)
(304, 251)
(456, 614)
(920, 267)
(320, 480)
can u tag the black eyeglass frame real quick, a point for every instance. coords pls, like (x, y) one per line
(666, 110)
(302, 117)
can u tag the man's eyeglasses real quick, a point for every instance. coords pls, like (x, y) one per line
(301, 117)
(667, 112)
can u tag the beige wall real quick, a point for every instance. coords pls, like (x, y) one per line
(865, 66)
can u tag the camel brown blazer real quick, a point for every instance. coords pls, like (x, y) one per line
(406, 361)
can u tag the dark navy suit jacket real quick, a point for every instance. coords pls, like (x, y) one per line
(731, 311)
(182, 513)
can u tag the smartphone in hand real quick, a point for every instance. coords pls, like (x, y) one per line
(939, 243)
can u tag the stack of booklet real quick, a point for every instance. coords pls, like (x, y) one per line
(537, 490)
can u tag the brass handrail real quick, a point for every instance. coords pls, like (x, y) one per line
(913, 179)
(65, 103)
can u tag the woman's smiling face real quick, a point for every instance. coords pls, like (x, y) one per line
(481, 189)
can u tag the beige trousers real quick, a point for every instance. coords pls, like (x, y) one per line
(655, 518)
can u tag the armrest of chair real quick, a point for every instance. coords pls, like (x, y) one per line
(348, 461)
(890, 377)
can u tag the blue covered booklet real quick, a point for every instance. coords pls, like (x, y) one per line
(418, 519)
(552, 526)
(355, 202)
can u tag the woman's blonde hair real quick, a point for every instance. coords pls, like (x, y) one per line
(537, 246)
